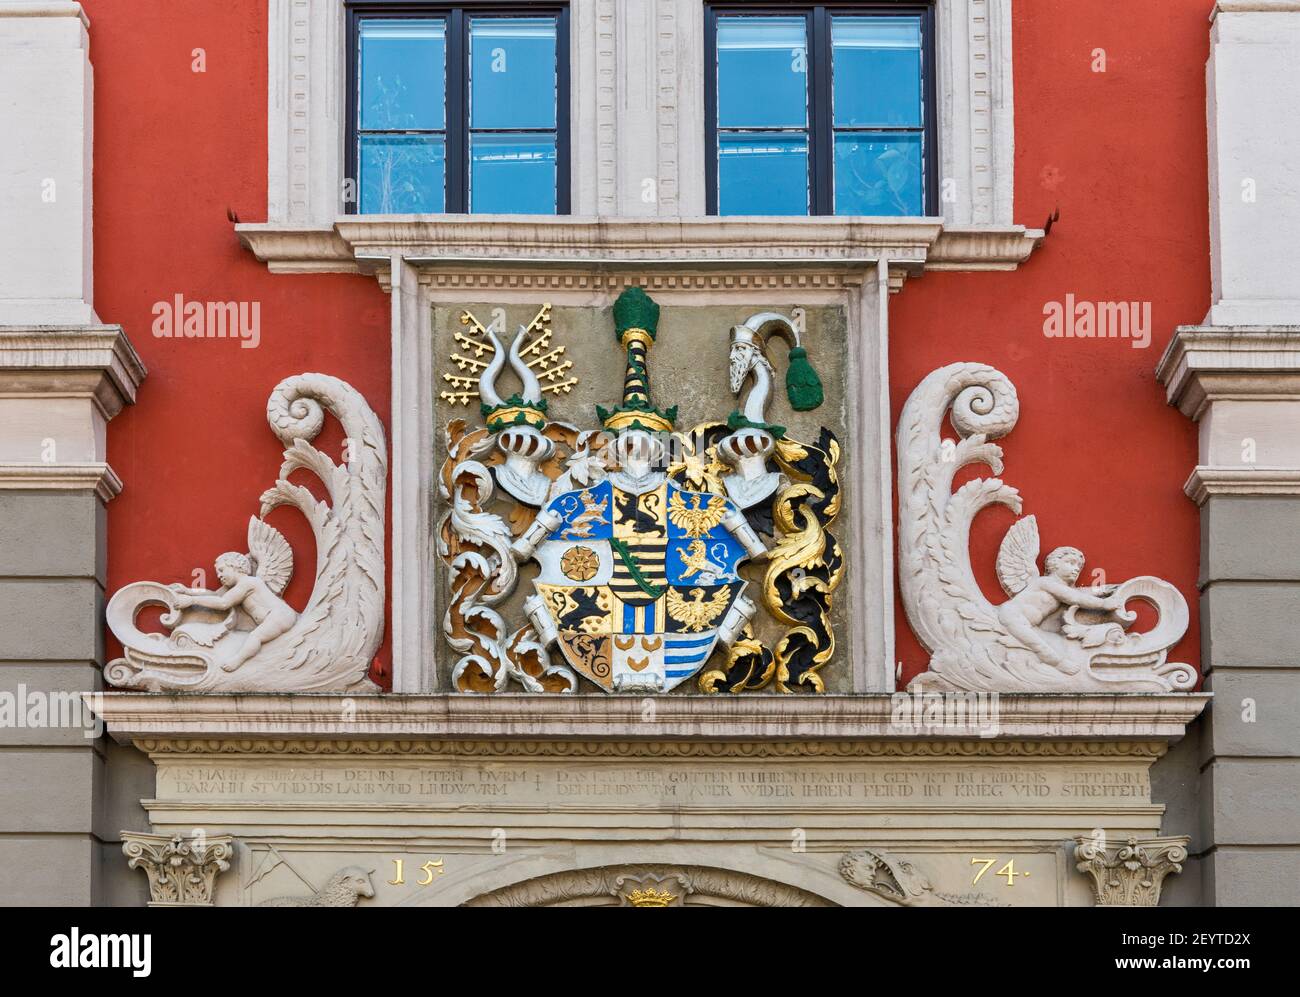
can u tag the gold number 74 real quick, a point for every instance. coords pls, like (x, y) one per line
(1008, 870)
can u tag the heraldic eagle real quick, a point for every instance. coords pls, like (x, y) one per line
(696, 520)
(699, 614)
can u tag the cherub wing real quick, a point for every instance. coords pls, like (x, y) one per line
(1017, 560)
(272, 556)
(697, 521)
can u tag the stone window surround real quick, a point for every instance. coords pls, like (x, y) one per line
(636, 84)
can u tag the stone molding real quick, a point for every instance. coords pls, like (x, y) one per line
(1206, 481)
(1028, 749)
(1130, 874)
(1237, 382)
(182, 870)
(512, 248)
(1204, 364)
(629, 886)
(250, 717)
(98, 362)
(1254, 7)
(48, 8)
(87, 476)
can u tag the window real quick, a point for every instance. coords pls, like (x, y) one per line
(820, 109)
(458, 108)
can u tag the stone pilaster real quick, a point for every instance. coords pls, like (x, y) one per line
(1238, 376)
(63, 376)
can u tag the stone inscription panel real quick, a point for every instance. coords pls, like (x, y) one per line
(668, 785)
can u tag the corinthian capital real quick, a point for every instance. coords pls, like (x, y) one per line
(181, 869)
(1129, 875)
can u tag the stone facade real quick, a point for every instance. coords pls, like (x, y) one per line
(269, 746)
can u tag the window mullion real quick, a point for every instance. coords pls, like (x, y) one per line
(457, 154)
(821, 137)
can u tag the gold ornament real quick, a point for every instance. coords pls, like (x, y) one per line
(650, 898)
(696, 614)
(580, 563)
(546, 362)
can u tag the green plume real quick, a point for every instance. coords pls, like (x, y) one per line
(802, 384)
(635, 309)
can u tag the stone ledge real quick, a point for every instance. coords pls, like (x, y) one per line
(94, 361)
(522, 244)
(135, 715)
(89, 476)
(1205, 363)
(1206, 481)
(1254, 7)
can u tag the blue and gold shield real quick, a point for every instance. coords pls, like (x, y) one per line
(638, 585)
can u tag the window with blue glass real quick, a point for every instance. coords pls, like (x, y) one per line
(820, 109)
(458, 108)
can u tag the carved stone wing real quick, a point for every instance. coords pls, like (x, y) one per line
(1018, 556)
(272, 556)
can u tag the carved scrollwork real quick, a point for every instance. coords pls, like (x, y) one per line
(901, 882)
(474, 543)
(181, 869)
(243, 636)
(1129, 874)
(641, 534)
(1049, 635)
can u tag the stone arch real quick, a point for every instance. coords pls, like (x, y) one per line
(649, 886)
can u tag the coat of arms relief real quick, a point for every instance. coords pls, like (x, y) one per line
(660, 556)
(648, 539)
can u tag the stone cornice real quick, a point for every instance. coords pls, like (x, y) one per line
(1205, 482)
(519, 246)
(98, 362)
(133, 715)
(912, 748)
(89, 476)
(44, 8)
(1254, 7)
(1202, 364)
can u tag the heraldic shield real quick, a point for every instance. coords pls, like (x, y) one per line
(639, 586)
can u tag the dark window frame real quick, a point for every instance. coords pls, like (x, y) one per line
(456, 125)
(821, 130)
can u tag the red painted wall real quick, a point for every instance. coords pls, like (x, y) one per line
(174, 151)
(1098, 456)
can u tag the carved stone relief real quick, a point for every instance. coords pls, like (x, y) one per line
(343, 889)
(1130, 874)
(649, 886)
(640, 532)
(181, 868)
(243, 636)
(1049, 635)
(899, 881)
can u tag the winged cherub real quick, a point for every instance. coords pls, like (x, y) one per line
(253, 583)
(1035, 597)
